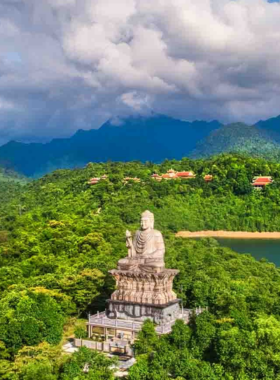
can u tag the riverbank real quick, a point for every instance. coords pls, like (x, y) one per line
(229, 234)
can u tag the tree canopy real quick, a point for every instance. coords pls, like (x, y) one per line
(59, 236)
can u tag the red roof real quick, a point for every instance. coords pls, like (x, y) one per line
(185, 174)
(165, 176)
(263, 179)
(260, 181)
(168, 176)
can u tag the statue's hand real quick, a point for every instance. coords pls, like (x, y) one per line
(128, 234)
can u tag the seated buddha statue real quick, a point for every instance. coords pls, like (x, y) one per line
(146, 250)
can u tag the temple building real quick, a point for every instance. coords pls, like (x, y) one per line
(94, 181)
(144, 289)
(208, 178)
(127, 179)
(186, 175)
(172, 174)
(261, 182)
(157, 177)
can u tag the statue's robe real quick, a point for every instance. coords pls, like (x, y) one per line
(149, 252)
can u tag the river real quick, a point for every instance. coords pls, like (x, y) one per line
(258, 248)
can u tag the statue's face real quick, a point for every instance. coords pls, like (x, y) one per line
(145, 223)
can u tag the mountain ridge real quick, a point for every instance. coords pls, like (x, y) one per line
(239, 138)
(153, 139)
(143, 139)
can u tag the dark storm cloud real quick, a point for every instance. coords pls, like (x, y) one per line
(68, 64)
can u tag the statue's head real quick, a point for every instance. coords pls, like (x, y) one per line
(147, 220)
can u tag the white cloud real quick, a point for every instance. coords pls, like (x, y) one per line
(68, 64)
(136, 101)
(6, 105)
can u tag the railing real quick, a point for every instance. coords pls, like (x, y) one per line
(102, 320)
(107, 322)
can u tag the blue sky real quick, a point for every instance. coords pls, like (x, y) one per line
(66, 65)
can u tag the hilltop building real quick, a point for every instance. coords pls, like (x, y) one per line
(261, 182)
(127, 179)
(186, 175)
(144, 289)
(157, 177)
(94, 181)
(172, 174)
(208, 178)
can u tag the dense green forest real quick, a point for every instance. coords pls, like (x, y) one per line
(8, 175)
(239, 138)
(59, 237)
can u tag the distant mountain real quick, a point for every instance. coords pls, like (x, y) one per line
(271, 126)
(257, 141)
(145, 139)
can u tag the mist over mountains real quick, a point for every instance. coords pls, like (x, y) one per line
(144, 139)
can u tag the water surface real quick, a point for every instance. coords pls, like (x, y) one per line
(258, 248)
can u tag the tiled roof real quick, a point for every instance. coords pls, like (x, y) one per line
(185, 174)
(261, 181)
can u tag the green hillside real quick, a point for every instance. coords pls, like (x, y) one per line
(7, 175)
(239, 138)
(57, 247)
(11, 185)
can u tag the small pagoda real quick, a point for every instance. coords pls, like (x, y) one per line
(262, 181)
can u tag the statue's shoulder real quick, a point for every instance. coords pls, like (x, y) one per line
(157, 233)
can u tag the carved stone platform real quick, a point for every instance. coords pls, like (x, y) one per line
(142, 295)
(160, 314)
(143, 287)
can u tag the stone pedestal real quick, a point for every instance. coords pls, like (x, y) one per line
(143, 287)
(160, 314)
(143, 295)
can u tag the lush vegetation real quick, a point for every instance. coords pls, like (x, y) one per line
(57, 247)
(10, 176)
(240, 138)
(237, 339)
(10, 187)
